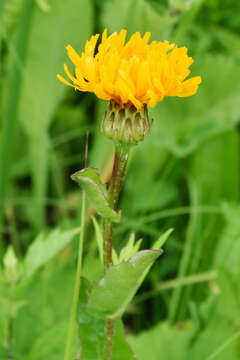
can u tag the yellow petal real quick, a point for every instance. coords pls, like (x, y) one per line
(134, 72)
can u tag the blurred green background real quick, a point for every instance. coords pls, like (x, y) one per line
(185, 175)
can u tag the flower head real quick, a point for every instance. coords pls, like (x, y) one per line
(132, 72)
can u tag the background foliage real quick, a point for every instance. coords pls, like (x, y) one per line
(185, 176)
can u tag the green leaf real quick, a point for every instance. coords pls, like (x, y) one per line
(3, 352)
(212, 111)
(121, 348)
(4, 305)
(162, 193)
(207, 344)
(162, 239)
(66, 22)
(155, 343)
(99, 238)
(12, 267)
(43, 5)
(89, 179)
(91, 331)
(127, 251)
(130, 249)
(42, 92)
(45, 247)
(228, 304)
(136, 15)
(51, 293)
(110, 297)
(43, 348)
(228, 250)
(219, 334)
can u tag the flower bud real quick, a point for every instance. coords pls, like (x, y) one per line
(125, 124)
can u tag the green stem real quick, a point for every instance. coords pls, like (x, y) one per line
(72, 322)
(118, 173)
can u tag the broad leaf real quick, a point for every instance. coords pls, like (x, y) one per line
(213, 110)
(219, 344)
(110, 297)
(89, 179)
(137, 15)
(91, 331)
(50, 293)
(220, 315)
(43, 347)
(156, 342)
(42, 92)
(45, 247)
(66, 22)
(121, 348)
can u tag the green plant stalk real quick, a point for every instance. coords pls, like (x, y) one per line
(11, 110)
(118, 173)
(73, 315)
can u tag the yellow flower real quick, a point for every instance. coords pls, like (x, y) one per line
(134, 72)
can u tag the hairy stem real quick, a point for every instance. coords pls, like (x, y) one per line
(118, 173)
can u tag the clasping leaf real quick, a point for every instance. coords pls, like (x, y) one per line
(89, 179)
(110, 297)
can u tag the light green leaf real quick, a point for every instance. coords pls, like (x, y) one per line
(12, 267)
(45, 247)
(99, 238)
(212, 111)
(43, 5)
(42, 92)
(121, 348)
(155, 343)
(207, 345)
(89, 179)
(66, 22)
(91, 331)
(127, 251)
(115, 258)
(51, 293)
(43, 348)
(136, 15)
(110, 297)
(228, 249)
(162, 239)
